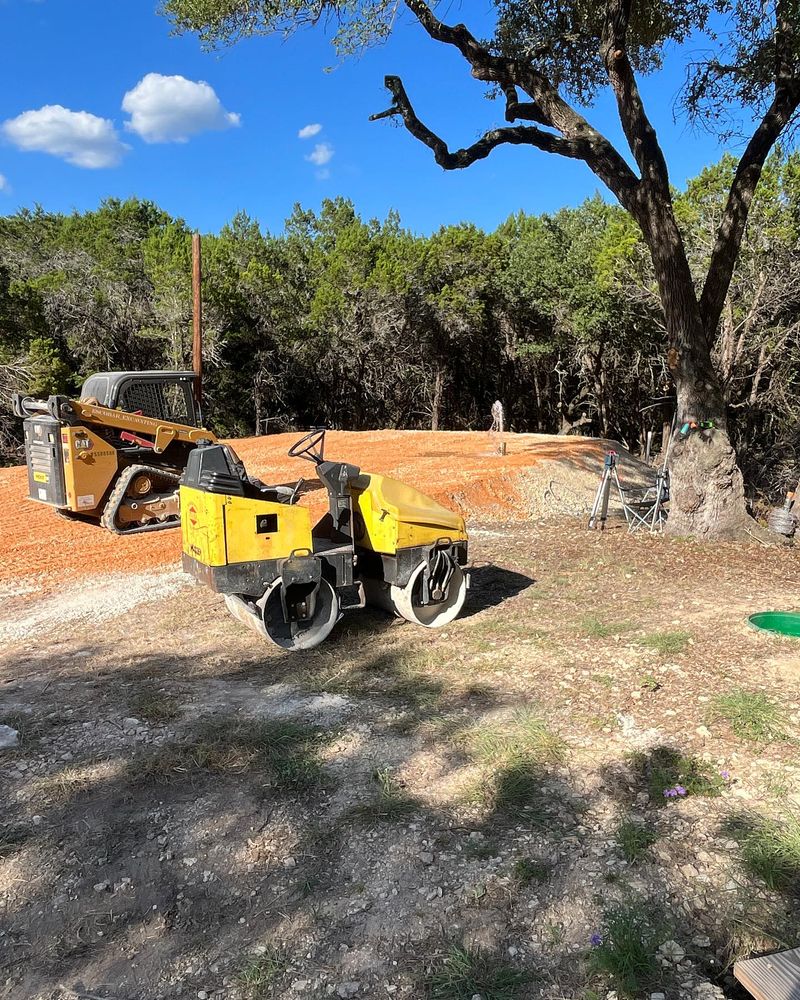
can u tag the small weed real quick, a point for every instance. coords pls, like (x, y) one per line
(649, 683)
(752, 715)
(771, 850)
(626, 951)
(634, 839)
(464, 973)
(554, 932)
(392, 801)
(664, 769)
(666, 643)
(527, 871)
(598, 628)
(154, 705)
(259, 973)
(605, 679)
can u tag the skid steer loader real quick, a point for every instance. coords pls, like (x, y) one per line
(114, 455)
(380, 542)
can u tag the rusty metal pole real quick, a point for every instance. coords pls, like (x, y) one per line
(197, 317)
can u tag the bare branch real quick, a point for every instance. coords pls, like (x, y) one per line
(734, 218)
(517, 110)
(518, 135)
(636, 125)
(547, 107)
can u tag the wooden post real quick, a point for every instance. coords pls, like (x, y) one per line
(197, 317)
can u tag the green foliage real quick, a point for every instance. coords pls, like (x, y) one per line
(465, 972)
(627, 952)
(257, 975)
(598, 628)
(665, 768)
(358, 323)
(49, 372)
(528, 871)
(285, 752)
(752, 715)
(634, 838)
(771, 850)
(666, 643)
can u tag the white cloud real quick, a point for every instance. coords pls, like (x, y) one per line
(321, 154)
(172, 108)
(309, 131)
(4, 185)
(78, 137)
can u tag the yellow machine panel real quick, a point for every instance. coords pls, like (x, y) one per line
(218, 529)
(397, 516)
(90, 465)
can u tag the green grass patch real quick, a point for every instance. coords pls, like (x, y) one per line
(283, 751)
(771, 850)
(526, 736)
(464, 973)
(634, 839)
(528, 871)
(154, 706)
(513, 756)
(665, 768)
(257, 974)
(602, 628)
(627, 952)
(666, 643)
(752, 715)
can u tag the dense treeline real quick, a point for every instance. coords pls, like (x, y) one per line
(363, 324)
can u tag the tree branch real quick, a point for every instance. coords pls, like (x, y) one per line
(517, 135)
(547, 107)
(734, 218)
(636, 125)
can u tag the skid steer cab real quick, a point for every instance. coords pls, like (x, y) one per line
(113, 456)
(381, 542)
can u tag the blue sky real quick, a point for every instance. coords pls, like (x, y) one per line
(85, 56)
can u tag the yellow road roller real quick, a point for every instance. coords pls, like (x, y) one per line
(381, 542)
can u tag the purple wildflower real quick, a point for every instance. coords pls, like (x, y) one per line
(680, 790)
(596, 940)
(725, 775)
(670, 793)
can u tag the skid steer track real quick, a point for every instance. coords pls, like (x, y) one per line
(124, 499)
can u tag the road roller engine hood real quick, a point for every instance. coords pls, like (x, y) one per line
(381, 542)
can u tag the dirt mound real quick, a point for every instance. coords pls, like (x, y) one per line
(540, 474)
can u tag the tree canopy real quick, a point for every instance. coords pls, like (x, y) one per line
(361, 324)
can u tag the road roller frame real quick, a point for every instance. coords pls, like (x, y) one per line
(380, 542)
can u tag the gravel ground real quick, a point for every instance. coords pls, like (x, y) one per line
(189, 813)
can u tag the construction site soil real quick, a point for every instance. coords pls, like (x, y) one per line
(539, 475)
(489, 809)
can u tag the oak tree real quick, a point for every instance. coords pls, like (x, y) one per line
(546, 60)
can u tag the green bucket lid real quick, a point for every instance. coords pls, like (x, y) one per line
(784, 622)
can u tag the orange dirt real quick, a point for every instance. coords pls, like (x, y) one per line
(456, 468)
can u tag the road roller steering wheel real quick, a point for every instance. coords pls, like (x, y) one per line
(311, 446)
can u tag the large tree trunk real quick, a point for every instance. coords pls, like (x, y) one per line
(706, 487)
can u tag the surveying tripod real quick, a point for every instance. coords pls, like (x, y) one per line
(600, 505)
